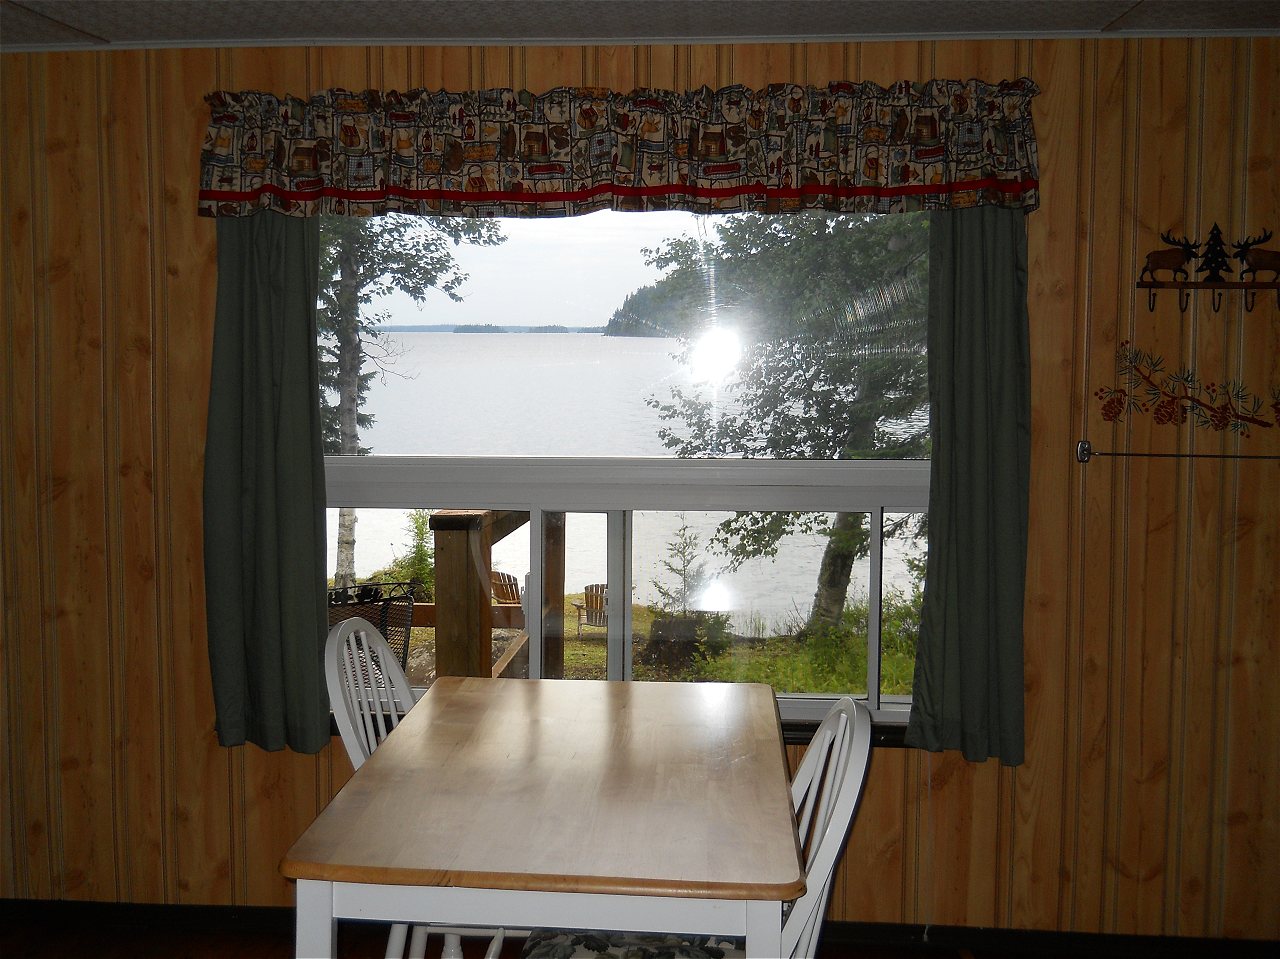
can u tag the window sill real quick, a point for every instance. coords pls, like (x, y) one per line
(799, 732)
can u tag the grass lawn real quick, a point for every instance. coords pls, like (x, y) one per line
(834, 662)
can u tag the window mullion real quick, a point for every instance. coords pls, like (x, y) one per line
(618, 553)
(874, 588)
(534, 600)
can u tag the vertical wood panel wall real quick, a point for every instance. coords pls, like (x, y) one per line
(1150, 799)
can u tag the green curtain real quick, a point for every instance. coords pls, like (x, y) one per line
(968, 691)
(264, 492)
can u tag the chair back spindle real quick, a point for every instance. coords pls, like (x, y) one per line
(368, 690)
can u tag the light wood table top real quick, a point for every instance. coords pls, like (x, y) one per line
(655, 789)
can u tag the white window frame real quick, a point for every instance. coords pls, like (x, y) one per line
(618, 486)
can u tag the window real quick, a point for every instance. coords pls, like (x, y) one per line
(723, 419)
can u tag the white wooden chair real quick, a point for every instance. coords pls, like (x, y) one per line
(369, 695)
(824, 794)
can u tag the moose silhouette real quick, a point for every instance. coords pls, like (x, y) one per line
(1254, 259)
(1175, 258)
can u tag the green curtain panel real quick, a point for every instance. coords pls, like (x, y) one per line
(968, 691)
(264, 493)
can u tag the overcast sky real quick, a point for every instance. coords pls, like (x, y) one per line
(572, 271)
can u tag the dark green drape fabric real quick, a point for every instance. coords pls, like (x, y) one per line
(264, 493)
(968, 692)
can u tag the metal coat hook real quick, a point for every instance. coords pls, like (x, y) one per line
(1214, 261)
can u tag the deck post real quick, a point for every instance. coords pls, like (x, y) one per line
(553, 595)
(464, 618)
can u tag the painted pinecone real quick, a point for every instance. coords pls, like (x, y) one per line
(1169, 411)
(1113, 406)
(1220, 416)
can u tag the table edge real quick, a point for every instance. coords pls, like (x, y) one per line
(588, 885)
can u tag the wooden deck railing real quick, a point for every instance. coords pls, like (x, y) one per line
(503, 617)
(514, 660)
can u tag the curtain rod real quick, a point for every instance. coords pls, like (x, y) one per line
(1085, 452)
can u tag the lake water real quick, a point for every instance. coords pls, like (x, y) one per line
(564, 394)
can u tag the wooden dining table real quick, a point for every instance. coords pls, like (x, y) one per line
(513, 803)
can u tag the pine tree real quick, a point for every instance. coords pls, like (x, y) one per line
(689, 572)
(1214, 260)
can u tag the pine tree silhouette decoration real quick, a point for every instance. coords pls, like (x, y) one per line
(1214, 261)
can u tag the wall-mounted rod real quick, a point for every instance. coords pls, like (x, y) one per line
(1085, 452)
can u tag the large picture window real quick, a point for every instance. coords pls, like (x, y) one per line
(724, 419)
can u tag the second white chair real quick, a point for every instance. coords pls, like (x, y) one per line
(369, 695)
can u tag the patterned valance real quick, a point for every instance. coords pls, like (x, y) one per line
(842, 147)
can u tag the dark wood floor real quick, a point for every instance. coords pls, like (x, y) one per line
(44, 930)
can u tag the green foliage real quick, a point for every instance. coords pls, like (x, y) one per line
(831, 659)
(831, 310)
(824, 660)
(682, 636)
(678, 646)
(417, 565)
(675, 304)
(690, 573)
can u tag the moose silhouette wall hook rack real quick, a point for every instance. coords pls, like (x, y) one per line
(1215, 262)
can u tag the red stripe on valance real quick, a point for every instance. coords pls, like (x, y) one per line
(843, 147)
(390, 195)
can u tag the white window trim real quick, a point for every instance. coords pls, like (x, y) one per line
(625, 484)
(577, 484)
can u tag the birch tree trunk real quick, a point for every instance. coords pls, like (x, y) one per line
(847, 532)
(350, 361)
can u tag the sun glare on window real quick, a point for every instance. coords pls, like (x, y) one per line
(715, 355)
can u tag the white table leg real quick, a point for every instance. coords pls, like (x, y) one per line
(317, 928)
(764, 930)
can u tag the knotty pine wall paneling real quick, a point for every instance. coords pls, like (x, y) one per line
(1103, 293)
(546, 67)
(886, 63)
(1252, 708)
(74, 368)
(1148, 800)
(27, 812)
(613, 67)
(1035, 791)
(1215, 134)
(140, 663)
(1151, 536)
(819, 63)
(183, 274)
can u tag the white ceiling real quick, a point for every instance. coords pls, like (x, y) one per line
(102, 24)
